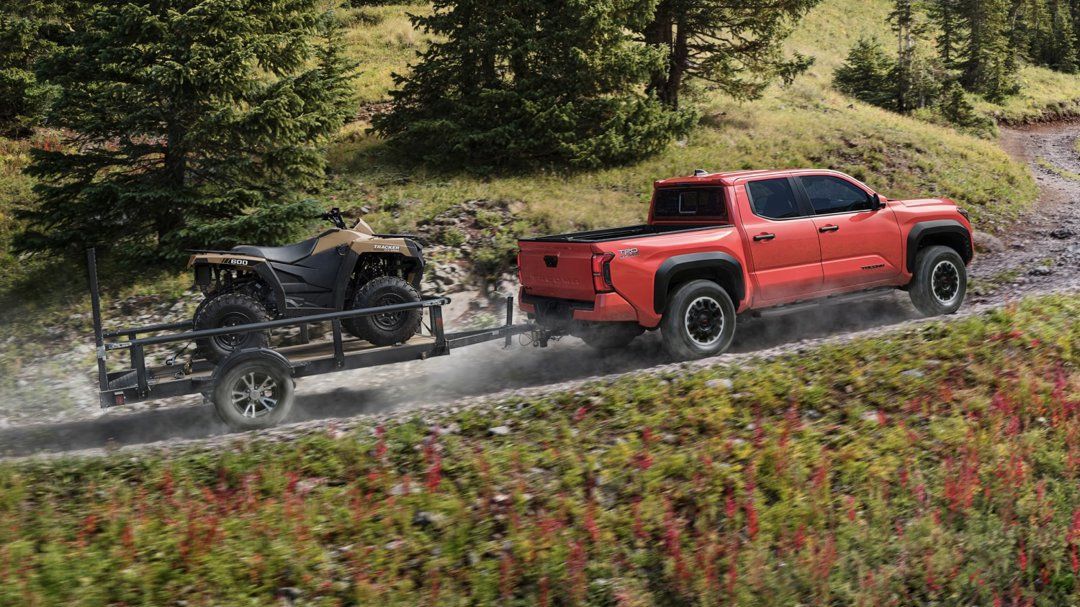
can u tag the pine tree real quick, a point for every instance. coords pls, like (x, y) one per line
(903, 21)
(867, 75)
(947, 17)
(510, 84)
(28, 30)
(989, 64)
(736, 47)
(193, 123)
(1060, 50)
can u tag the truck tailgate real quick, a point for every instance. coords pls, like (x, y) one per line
(557, 269)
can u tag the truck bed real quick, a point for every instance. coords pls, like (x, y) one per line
(609, 234)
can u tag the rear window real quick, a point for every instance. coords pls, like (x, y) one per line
(691, 204)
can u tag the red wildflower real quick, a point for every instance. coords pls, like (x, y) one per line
(580, 414)
(380, 445)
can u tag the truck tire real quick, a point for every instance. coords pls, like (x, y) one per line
(609, 336)
(253, 393)
(699, 321)
(939, 283)
(384, 329)
(225, 310)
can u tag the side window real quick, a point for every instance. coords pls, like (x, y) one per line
(834, 195)
(773, 199)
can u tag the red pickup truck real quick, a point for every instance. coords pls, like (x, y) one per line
(718, 245)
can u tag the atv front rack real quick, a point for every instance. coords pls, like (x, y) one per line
(137, 381)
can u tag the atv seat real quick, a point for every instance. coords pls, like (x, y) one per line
(287, 254)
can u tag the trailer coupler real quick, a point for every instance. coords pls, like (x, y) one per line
(541, 337)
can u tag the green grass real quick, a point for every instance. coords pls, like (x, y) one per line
(938, 466)
(1060, 172)
(382, 40)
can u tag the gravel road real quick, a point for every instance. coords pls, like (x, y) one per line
(1040, 253)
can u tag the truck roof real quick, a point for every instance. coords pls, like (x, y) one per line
(730, 177)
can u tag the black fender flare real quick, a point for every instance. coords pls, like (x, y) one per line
(267, 275)
(704, 263)
(261, 269)
(924, 229)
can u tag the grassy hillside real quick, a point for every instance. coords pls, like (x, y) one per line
(807, 124)
(940, 466)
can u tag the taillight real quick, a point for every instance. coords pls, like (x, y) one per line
(601, 272)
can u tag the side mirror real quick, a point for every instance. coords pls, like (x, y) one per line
(876, 204)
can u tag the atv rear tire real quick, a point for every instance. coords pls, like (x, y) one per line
(939, 282)
(699, 321)
(226, 310)
(390, 328)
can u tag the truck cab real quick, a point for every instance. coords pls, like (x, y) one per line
(719, 245)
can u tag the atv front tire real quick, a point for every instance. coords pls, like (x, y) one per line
(389, 328)
(939, 282)
(227, 310)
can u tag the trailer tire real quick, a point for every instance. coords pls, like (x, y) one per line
(253, 392)
(699, 321)
(228, 309)
(384, 329)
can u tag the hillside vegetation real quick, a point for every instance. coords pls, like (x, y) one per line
(939, 466)
(806, 124)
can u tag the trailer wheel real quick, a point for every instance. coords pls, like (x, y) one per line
(390, 328)
(225, 310)
(253, 393)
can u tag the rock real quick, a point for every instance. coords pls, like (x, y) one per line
(1041, 272)
(1062, 234)
(913, 373)
(499, 431)
(289, 594)
(987, 243)
(720, 384)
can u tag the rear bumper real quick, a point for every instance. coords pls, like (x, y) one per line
(551, 312)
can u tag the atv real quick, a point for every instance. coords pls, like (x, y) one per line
(341, 269)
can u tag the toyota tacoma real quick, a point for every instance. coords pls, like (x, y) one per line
(747, 242)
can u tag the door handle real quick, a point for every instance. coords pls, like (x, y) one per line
(828, 228)
(764, 236)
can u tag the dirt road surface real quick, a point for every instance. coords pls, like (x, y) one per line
(1040, 253)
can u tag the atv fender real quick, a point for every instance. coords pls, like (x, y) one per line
(201, 262)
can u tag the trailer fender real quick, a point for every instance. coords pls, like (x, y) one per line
(242, 356)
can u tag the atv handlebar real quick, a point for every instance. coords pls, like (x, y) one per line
(334, 217)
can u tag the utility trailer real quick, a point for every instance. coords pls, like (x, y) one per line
(253, 388)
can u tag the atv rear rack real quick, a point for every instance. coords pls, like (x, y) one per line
(139, 382)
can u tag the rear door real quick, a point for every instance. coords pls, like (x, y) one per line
(860, 247)
(783, 242)
(556, 269)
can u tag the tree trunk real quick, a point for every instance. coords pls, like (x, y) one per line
(168, 217)
(661, 32)
(680, 62)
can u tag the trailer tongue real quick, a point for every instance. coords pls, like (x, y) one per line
(253, 388)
